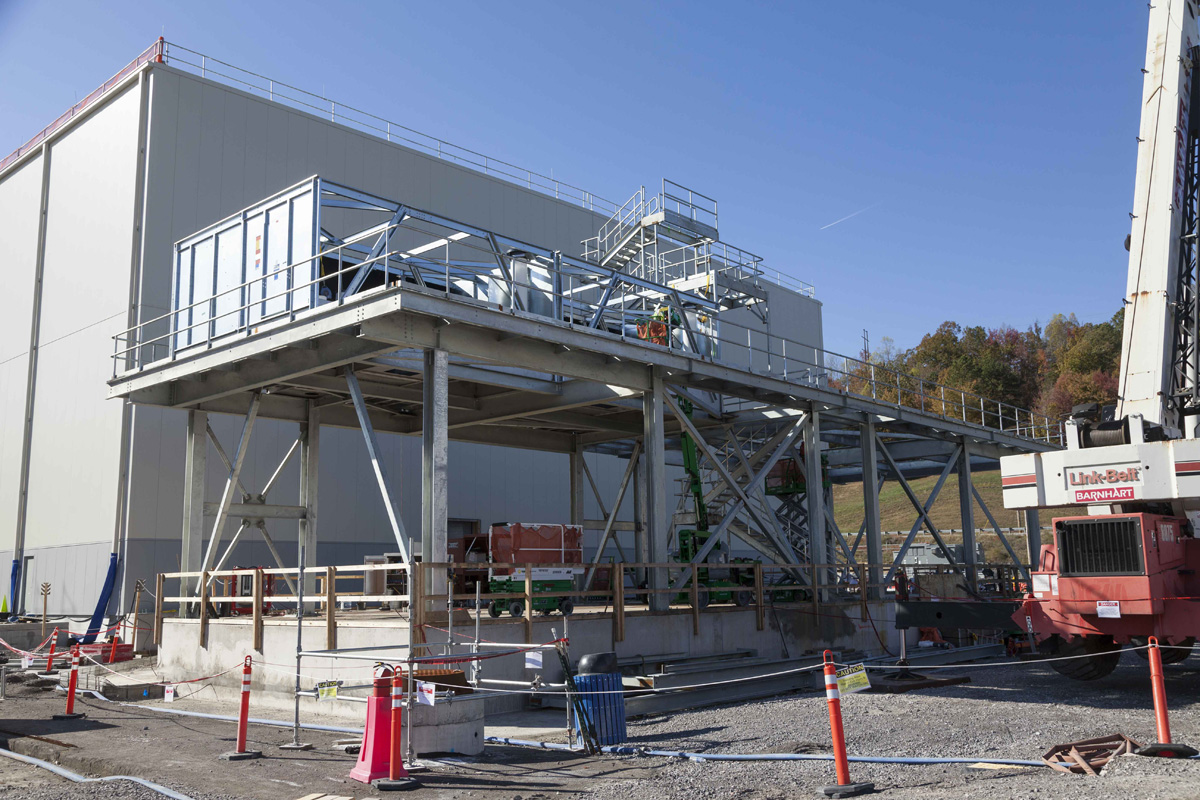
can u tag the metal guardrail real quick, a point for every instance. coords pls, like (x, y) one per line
(587, 297)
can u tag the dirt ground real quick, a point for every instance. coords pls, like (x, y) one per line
(1005, 712)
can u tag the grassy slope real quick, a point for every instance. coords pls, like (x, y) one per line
(897, 513)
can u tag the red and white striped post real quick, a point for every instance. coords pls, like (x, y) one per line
(72, 684)
(241, 753)
(1163, 747)
(833, 697)
(398, 778)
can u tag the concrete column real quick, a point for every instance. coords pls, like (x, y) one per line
(870, 488)
(1033, 538)
(310, 449)
(814, 496)
(577, 482)
(966, 505)
(434, 457)
(654, 456)
(195, 459)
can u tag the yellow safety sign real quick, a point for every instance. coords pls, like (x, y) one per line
(853, 679)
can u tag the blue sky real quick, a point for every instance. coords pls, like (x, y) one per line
(992, 146)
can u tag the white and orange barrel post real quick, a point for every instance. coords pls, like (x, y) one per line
(833, 697)
(72, 684)
(1163, 747)
(241, 753)
(398, 779)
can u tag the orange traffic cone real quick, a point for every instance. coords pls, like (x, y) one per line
(375, 756)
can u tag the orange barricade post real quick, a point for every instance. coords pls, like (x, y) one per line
(398, 779)
(375, 755)
(844, 787)
(112, 651)
(50, 670)
(241, 753)
(72, 683)
(1163, 747)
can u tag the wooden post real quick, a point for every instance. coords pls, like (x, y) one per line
(759, 610)
(159, 583)
(528, 604)
(137, 605)
(45, 598)
(618, 590)
(204, 609)
(257, 602)
(694, 593)
(330, 608)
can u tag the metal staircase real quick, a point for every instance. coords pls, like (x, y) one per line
(671, 239)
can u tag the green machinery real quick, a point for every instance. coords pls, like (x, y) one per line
(719, 579)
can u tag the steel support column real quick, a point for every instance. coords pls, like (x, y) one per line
(966, 507)
(368, 432)
(435, 483)
(577, 479)
(1033, 538)
(641, 546)
(871, 525)
(814, 498)
(310, 442)
(195, 464)
(657, 521)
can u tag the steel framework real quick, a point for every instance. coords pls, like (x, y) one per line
(396, 320)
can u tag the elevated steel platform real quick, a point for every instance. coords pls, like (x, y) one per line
(327, 306)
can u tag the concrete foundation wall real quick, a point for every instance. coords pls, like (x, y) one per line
(788, 633)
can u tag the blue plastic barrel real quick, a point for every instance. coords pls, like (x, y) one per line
(603, 698)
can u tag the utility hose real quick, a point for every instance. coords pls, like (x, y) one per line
(76, 778)
(641, 751)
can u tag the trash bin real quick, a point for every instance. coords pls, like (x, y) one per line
(602, 696)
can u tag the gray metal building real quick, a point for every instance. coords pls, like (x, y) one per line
(91, 210)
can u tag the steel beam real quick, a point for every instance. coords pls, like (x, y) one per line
(966, 506)
(310, 458)
(434, 458)
(368, 432)
(658, 528)
(814, 500)
(258, 511)
(576, 467)
(1033, 537)
(871, 524)
(195, 465)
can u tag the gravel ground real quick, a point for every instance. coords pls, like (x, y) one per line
(1016, 712)
(1011, 712)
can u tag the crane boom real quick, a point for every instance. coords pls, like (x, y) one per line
(1157, 377)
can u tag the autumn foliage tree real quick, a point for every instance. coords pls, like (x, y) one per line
(1048, 370)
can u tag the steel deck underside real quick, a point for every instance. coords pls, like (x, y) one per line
(596, 396)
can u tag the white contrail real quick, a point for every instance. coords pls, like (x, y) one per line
(848, 216)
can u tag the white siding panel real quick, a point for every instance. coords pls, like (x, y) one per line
(77, 430)
(20, 197)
